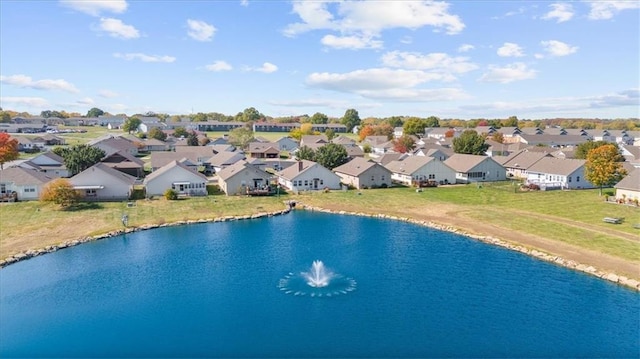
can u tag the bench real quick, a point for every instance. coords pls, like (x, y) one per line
(612, 220)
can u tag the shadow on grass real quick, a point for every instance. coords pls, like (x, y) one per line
(84, 206)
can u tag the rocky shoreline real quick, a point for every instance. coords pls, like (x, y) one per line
(609, 276)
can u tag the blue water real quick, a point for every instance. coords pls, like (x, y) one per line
(212, 290)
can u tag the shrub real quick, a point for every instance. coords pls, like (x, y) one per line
(61, 192)
(171, 194)
(384, 185)
(213, 189)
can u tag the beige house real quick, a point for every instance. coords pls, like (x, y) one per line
(103, 183)
(177, 176)
(628, 189)
(421, 168)
(244, 178)
(21, 184)
(362, 173)
(474, 168)
(308, 176)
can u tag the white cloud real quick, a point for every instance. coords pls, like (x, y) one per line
(439, 62)
(200, 30)
(145, 58)
(351, 42)
(372, 17)
(37, 102)
(267, 68)
(560, 11)
(510, 49)
(510, 73)
(244, 3)
(629, 97)
(466, 48)
(86, 101)
(95, 7)
(219, 66)
(116, 28)
(108, 94)
(558, 48)
(603, 10)
(46, 84)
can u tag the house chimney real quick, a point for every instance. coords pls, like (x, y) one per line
(299, 166)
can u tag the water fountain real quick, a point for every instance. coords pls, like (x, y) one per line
(317, 282)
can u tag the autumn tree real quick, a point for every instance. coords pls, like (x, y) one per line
(240, 137)
(157, 133)
(78, 158)
(350, 119)
(583, 149)
(331, 155)
(470, 142)
(304, 130)
(603, 167)
(498, 137)
(8, 149)
(404, 144)
(450, 133)
(60, 191)
(365, 131)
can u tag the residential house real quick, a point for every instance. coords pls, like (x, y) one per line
(244, 178)
(264, 150)
(262, 126)
(552, 140)
(628, 189)
(308, 176)
(474, 168)
(311, 140)
(103, 183)
(26, 144)
(225, 159)
(362, 173)
(287, 144)
(21, 184)
(49, 140)
(558, 173)
(49, 163)
(420, 168)
(155, 145)
(518, 163)
(177, 176)
(126, 163)
(111, 144)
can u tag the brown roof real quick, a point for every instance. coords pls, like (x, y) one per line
(523, 159)
(168, 167)
(463, 163)
(23, 176)
(630, 181)
(237, 167)
(356, 166)
(293, 171)
(264, 147)
(557, 166)
(409, 165)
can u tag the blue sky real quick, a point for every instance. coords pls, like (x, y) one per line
(456, 59)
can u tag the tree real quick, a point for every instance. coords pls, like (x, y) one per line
(498, 137)
(350, 119)
(319, 118)
(584, 148)
(394, 121)
(180, 132)
(510, 122)
(49, 113)
(330, 133)
(249, 115)
(240, 137)
(78, 158)
(306, 153)
(404, 144)
(131, 124)
(331, 155)
(61, 192)
(470, 142)
(432, 121)
(157, 133)
(8, 149)
(5, 117)
(365, 132)
(414, 126)
(603, 167)
(192, 139)
(95, 112)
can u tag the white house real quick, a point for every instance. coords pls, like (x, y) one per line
(308, 176)
(474, 168)
(22, 184)
(287, 144)
(518, 163)
(49, 163)
(177, 176)
(362, 173)
(103, 183)
(244, 178)
(628, 189)
(558, 173)
(421, 168)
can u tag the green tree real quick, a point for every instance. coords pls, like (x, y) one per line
(604, 167)
(414, 126)
(330, 133)
(60, 191)
(180, 132)
(192, 139)
(306, 153)
(49, 113)
(78, 158)
(512, 121)
(395, 121)
(5, 117)
(583, 149)
(319, 118)
(8, 149)
(240, 137)
(350, 119)
(331, 155)
(432, 121)
(131, 124)
(249, 115)
(95, 112)
(470, 142)
(157, 133)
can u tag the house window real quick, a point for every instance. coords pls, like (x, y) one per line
(29, 190)
(321, 182)
(90, 193)
(577, 178)
(382, 178)
(569, 179)
(373, 178)
(3, 188)
(306, 182)
(432, 176)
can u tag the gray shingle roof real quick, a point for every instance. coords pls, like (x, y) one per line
(23, 176)
(630, 181)
(463, 162)
(356, 166)
(556, 166)
(409, 165)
